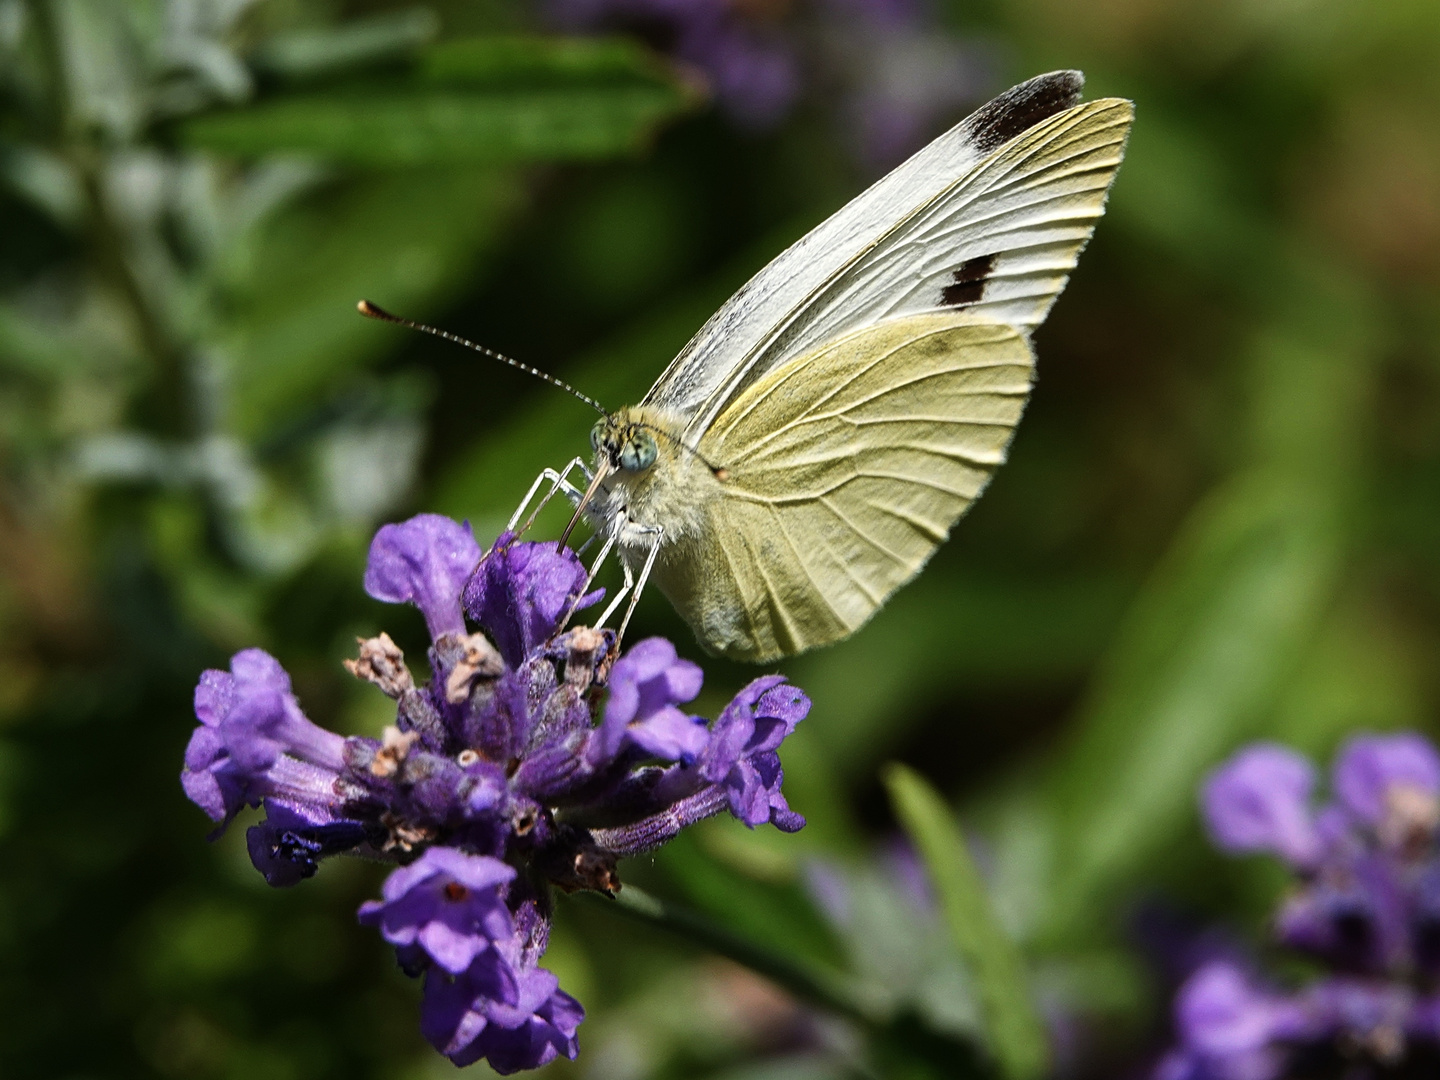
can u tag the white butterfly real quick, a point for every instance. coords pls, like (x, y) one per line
(813, 444)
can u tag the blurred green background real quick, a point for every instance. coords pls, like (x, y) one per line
(1220, 521)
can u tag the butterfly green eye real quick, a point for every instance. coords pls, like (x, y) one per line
(597, 433)
(638, 453)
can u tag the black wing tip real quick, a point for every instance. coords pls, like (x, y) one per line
(1021, 107)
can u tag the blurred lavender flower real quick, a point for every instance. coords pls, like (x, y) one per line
(538, 760)
(892, 74)
(1366, 906)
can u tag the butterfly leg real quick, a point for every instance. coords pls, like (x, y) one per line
(656, 534)
(633, 587)
(558, 481)
(589, 578)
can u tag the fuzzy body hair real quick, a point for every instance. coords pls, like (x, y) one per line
(672, 493)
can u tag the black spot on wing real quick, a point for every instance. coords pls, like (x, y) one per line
(1022, 107)
(969, 281)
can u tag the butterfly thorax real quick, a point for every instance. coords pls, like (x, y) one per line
(654, 478)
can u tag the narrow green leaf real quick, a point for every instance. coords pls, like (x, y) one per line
(1230, 614)
(526, 60)
(409, 126)
(1017, 1038)
(775, 915)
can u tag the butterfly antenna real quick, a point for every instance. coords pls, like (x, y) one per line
(719, 471)
(374, 311)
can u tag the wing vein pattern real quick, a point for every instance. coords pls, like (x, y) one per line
(840, 488)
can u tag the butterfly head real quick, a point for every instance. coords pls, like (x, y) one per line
(628, 446)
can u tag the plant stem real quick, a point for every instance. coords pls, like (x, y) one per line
(825, 989)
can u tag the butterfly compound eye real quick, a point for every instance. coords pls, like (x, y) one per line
(597, 433)
(638, 453)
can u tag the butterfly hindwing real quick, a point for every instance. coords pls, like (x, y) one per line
(845, 467)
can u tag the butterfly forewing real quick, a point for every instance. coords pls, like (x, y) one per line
(993, 213)
(726, 353)
(846, 468)
(1001, 242)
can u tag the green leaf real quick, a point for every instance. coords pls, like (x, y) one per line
(1016, 1035)
(487, 100)
(809, 982)
(1200, 664)
(1229, 616)
(773, 914)
(523, 60)
(413, 127)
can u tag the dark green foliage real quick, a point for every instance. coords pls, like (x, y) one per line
(1220, 520)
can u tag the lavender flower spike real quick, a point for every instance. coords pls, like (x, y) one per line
(501, 779)
(1259, 800)
(424, 561)
(1365, 908)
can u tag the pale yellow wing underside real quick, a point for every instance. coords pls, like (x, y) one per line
(846, 469)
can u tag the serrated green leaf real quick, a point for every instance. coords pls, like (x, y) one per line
(412, 126)
(1016, 1035)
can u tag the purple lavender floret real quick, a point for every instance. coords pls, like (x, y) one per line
(534, 757)
(1365, 906)
(466, 1020)
(287, 846)
(447, 904)
(1260, 801)
(254, 741)
(424, 561)
(521, 592)
(647, 686)
(742, 756)
(1385, 781)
